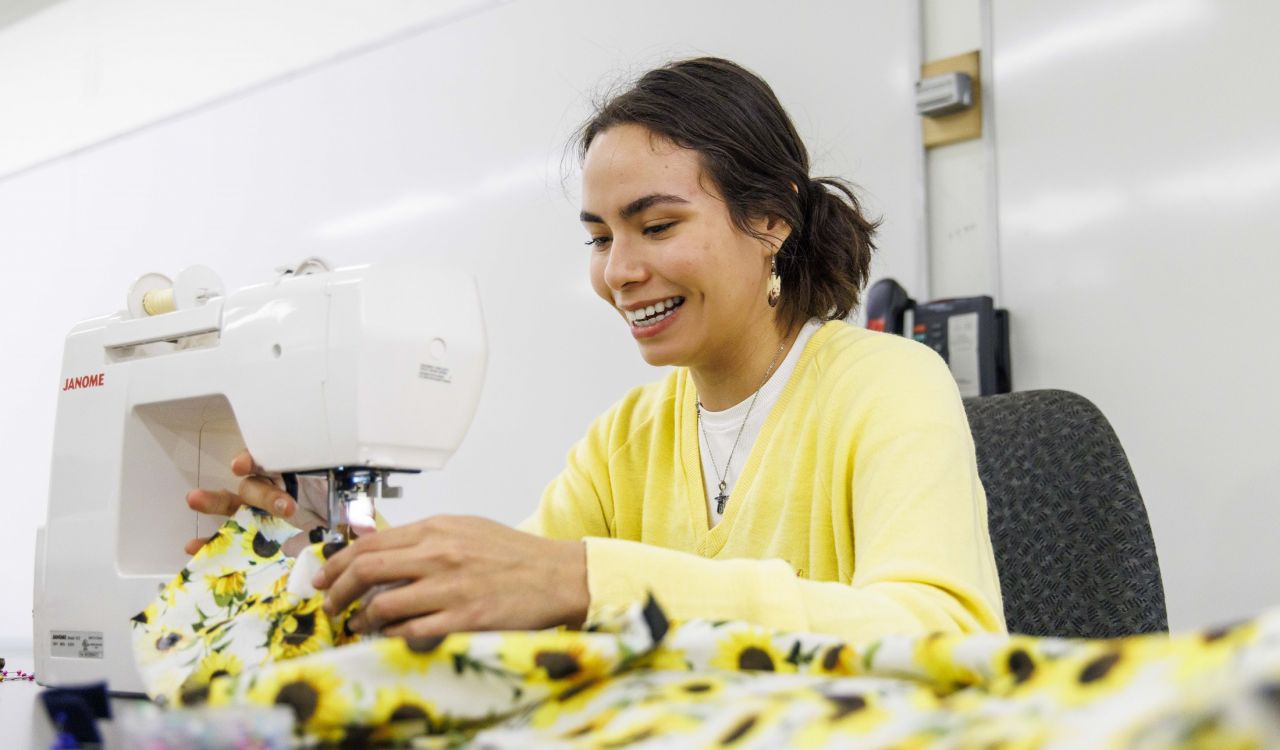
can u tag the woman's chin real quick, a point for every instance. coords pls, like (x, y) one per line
(660, 354)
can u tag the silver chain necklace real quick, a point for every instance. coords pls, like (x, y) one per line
(723, 497)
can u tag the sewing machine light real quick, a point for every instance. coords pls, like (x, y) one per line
(353, 495)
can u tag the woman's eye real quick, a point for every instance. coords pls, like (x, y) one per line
(596, 241)
(659, 228)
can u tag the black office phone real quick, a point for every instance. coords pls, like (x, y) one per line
(972, 336)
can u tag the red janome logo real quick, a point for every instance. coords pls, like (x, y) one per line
(85, 381)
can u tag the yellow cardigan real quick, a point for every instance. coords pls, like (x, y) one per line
(859, 511)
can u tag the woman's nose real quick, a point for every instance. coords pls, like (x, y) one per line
(625, 265)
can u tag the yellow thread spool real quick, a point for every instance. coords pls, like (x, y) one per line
(158, 301)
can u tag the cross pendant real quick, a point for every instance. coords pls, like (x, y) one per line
(721, 499)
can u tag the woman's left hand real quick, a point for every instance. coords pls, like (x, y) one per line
(458, 573)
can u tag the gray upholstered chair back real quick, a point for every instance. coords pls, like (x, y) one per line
(1070, 532)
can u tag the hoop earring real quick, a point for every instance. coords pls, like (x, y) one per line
(775, 282)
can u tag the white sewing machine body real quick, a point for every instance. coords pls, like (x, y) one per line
(372, 366)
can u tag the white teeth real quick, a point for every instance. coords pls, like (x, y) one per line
(651, 321)
(651, 314)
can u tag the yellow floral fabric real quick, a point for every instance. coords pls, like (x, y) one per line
(241, 625)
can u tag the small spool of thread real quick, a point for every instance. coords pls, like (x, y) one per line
(158, 301)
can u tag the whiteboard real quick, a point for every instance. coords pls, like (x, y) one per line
(448, 145)
(1138, 175)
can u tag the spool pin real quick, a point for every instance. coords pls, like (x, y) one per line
(156, 294)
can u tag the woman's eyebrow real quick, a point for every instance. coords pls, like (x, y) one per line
(635, 206)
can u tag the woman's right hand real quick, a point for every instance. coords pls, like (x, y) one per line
(258, 489)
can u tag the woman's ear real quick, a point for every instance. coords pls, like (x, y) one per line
(777, 230)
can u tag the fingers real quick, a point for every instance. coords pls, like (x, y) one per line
(264, 494)
(401, 605)
(213, 502)
(372, 569)
(243, 465)
(193, 546)
(392, 603)
(434, 625)
(259, 493)
(336, 565)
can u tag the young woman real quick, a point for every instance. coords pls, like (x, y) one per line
(792, 470)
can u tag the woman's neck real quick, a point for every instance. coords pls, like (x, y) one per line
(742, 371)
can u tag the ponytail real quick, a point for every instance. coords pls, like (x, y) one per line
(825, 262)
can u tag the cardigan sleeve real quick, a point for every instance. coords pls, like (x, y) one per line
(922, 551)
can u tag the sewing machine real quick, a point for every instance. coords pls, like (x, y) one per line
(352, 373)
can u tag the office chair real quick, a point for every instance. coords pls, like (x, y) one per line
(1071, 536)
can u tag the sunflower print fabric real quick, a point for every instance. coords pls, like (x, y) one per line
(241, 625)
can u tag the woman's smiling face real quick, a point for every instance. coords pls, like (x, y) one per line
(662, 238)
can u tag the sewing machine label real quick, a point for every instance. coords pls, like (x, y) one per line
(78, 644)
(434, 372)
(96, 380)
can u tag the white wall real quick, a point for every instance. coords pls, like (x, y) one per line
(1139, 174)
(81, 71)
(12, 11)
(444, 142)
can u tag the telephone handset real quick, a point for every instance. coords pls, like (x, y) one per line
(887, 305)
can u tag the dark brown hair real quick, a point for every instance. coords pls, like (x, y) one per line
(755, 158)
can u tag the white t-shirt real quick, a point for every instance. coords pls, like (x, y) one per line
(720, 428)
